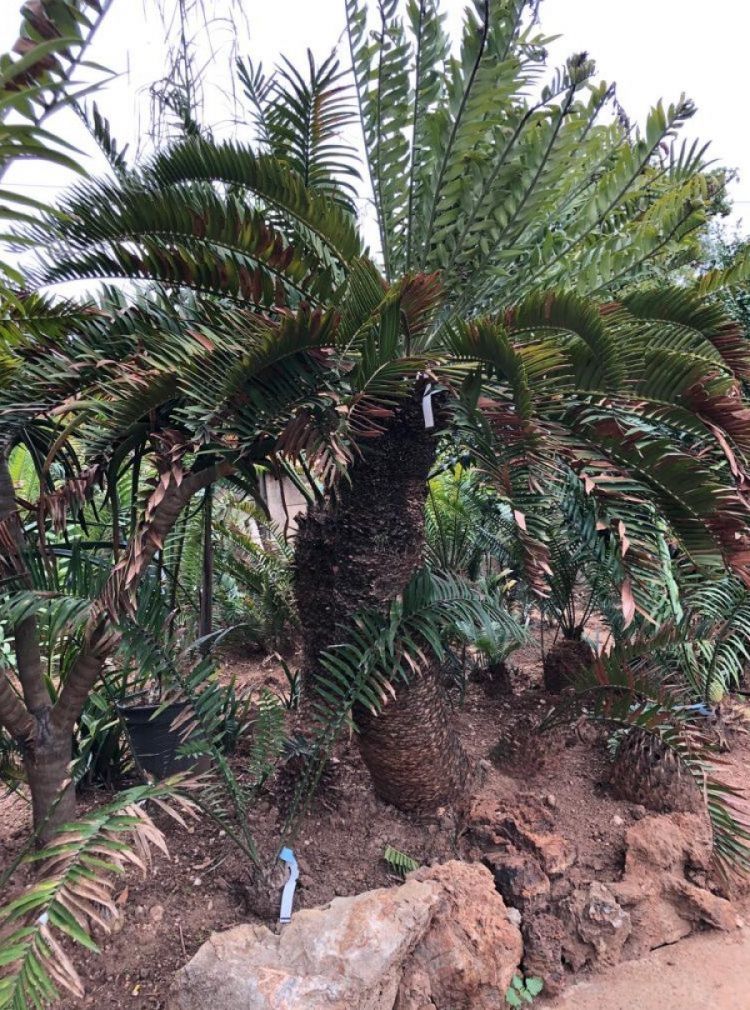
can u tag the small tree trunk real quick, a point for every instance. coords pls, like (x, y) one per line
(47, 765)
(358, 552)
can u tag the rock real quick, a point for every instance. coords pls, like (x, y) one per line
(543, 936)
(667, 843)
(516, 918)
(519, 878)
(483, 820)
(551, 800)
(701, 907)
(599, 921)
(554, 852)
(557, 854)
(468, 956)
(442, 939)
(156, 913)
(561, 887)
(617, 821)
(496, 804)
(664, 905)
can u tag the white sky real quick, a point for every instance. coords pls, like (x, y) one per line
(652, 48)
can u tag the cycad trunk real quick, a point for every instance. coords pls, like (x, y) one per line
(53, 796)
(358, 552)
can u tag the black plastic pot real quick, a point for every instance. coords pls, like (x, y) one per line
(153, 740)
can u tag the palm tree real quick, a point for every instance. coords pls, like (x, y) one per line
(279, 341)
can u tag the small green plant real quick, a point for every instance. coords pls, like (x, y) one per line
(523, 990)
(399, 862)
(255, 586)
(269, 737)
(290, 698)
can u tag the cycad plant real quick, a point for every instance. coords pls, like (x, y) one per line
(254, 588)
(267, 338)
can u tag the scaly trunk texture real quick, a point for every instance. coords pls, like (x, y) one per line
(358, 552)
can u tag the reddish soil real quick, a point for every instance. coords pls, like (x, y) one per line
(340, 842)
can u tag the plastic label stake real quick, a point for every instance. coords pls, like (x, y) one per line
(287, 895)
(429, 420)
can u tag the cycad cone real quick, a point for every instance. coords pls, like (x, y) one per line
(716, 692)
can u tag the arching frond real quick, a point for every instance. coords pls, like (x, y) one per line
(74, 892)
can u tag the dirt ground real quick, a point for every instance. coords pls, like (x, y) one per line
(709, 970)
(340, 843)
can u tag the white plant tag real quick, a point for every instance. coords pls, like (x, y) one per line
(429, 420)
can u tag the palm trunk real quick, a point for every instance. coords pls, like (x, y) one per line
(358, 552)
(47, 765)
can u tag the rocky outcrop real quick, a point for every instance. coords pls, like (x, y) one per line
(555, 854)
(569, 921)
(443, 939)
(667, 864)
(498, 824)
(544, 937)
(519, 878)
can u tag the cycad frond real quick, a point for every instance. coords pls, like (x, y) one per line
(300, 120)
(268, 179)
(75, 891)
(504, 192)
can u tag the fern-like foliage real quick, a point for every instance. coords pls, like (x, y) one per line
(255, 581)
(74, 891)
(399, 862)
(300, 120)
(504, 192)
(269, 737)
(35, 83)
(207, 728)
(100, 129)
(604, 440)
(455, 522)
(379, 652)
(710, 646)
